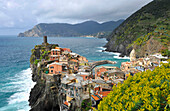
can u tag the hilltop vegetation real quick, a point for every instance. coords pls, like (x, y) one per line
(141, 27)
(160, 38)
(146, 91)
(88, 28)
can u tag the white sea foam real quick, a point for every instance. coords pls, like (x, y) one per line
(117, 56)
(109, 53)
(103, 48)
(21, 85)
(100, 49)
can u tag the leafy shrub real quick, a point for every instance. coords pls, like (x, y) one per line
(86, 105)
(32, 59)
(145, 91)
(36, 61)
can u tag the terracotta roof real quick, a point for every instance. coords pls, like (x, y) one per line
(57, 47)
(66, 49)
(95, 97)
(73, 60)
(104, 93)
(127, 63)
(66, 103)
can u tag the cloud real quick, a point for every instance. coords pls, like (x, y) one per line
(27, 13)
(81, 10)
(16, 14)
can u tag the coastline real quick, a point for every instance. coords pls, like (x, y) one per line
(68, 85)
(116, 55)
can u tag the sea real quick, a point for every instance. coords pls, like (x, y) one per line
(15, 72)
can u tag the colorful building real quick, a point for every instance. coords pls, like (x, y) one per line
(57, 68)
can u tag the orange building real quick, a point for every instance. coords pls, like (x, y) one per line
(55, 68)
(99, 71)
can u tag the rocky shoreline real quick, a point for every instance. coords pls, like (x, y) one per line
(42, 98)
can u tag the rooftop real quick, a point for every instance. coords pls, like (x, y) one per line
(55, 49)
(104, 93)
(54, 63)
(95, 97)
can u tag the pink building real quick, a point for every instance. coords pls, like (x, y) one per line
(56, 68)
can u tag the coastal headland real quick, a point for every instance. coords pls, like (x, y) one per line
(66, 80)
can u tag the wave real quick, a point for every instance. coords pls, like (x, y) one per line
(103, 48)
(98, 50)
(117, 56)
(20, 85)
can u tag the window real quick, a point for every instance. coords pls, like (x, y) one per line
(51, 67)
(51, 70)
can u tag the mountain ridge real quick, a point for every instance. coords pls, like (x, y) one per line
(92, 28)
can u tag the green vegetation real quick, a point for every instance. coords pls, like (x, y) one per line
(152, 20)
(86, 105)
(161, 34)
(36, 61)
(146, 91)
(44, 53)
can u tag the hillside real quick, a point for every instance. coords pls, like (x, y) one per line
(88, 28)
(150, 25)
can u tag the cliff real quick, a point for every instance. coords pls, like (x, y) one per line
(88, 28)
(45, 96)
(151, 21)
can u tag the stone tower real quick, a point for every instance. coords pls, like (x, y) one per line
(133, 55)
(45, 39)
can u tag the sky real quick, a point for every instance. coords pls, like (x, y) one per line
(20, 15)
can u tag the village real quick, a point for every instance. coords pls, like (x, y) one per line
(79, 81)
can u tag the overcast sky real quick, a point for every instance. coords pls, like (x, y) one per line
(20, 15)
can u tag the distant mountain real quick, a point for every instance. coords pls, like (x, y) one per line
(88, 28)
(147, 30)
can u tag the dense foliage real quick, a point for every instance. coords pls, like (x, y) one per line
(145, 91)
(140, 25)
(39, 53)
(86, 105)
(161, 34)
